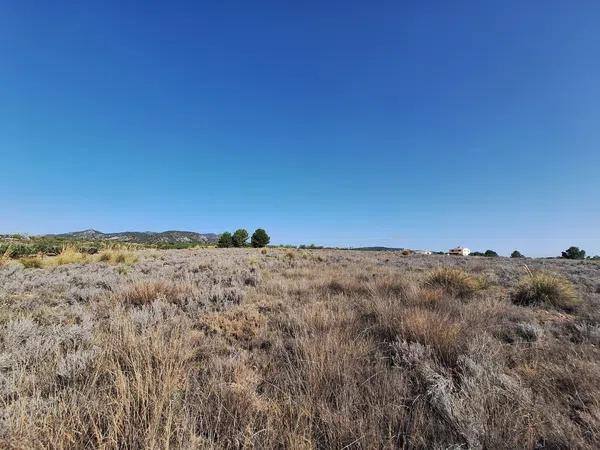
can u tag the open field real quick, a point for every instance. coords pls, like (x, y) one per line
(303, 349)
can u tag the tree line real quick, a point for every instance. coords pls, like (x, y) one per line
(570, 253)
(239, 238)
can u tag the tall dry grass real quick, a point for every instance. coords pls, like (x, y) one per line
(331, 350)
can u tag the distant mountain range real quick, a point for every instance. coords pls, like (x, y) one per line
(141, 237)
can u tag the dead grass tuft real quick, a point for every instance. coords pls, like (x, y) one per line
(5, 258)
(345, 287)
(145, 292)
(454, 281)
(437, 330)
(242, 323)
(544, 288)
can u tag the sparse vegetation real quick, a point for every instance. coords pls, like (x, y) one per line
(20, 247)
(71, 255)
(224, 349)
(310, 247)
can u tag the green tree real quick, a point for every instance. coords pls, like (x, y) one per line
(573, 253)
(225, 240)
(490, 253)
(516, 254)
(260, 238)
(240, 237)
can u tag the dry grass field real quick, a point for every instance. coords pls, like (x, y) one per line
(319, 349)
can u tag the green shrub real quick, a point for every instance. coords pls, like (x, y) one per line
(544, 288)
(516, 254)
(573, 253)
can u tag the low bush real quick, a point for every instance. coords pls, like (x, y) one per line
(573, 253)
(544, 288)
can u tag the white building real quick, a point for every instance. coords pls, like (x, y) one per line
(461, 251)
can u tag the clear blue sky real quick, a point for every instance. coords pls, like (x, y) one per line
(409, 124)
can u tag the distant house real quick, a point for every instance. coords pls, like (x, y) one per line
(423, 252)
(461, 251)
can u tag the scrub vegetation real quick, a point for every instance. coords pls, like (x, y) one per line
(71, 255)
(297, 348)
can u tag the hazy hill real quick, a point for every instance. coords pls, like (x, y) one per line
(142, 237)
(378, 249)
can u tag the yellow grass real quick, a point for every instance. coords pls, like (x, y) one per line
(68, 255)
(5, 257)
(117, 256)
